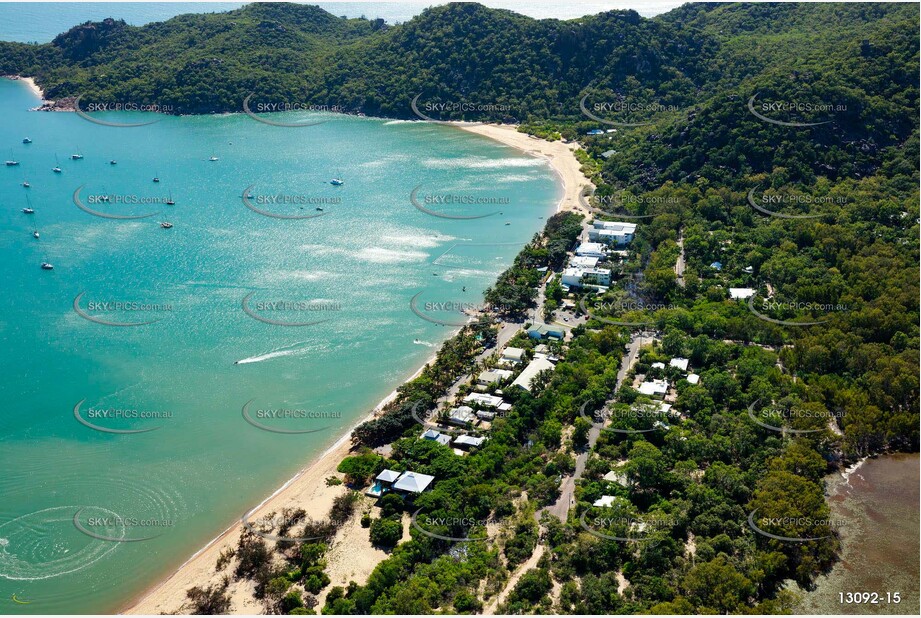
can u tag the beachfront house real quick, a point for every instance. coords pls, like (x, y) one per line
(530, 372)
(412, 483)
(383, 483)
(612, 232)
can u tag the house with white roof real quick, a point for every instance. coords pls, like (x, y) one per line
(617, 477)
(383, 483)
(741, 293)
(656, 389)
(680, 363)
(612, 232)
(605, 501)
(466, 442)
(693, 378)
(583, 261)
(512, 355)
(581, 277)
(591, 249)
(462, 415)
(413, 482)
(491, 376)
(530, 372)
(483, 400)
(658, 365)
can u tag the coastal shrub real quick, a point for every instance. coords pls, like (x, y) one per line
(211, 601)
(466, 603)
(315, 579)
(391, 504)
(253, 555)
(360, 469)
(365, 520)
(332, 481)
(343, 508)
(522, 543)
(386, 532)
(291, 602)
(227, 554)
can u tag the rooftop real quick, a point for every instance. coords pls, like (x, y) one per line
(530, 372)
(413, 482)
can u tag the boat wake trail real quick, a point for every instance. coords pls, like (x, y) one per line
(288, 350)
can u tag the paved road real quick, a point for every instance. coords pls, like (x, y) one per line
(680, 264)
(560, 508)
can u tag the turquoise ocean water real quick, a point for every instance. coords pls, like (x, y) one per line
(354, 269)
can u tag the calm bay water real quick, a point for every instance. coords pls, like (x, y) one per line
(355, 268)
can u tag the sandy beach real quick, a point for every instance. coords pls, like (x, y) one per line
(351, 556)
(30, 82)
(557, 154)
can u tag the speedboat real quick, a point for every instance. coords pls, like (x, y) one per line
(26, 140)
(47, 266)
(337, 182)
(25, 183)
(213, 158)
(166, 225)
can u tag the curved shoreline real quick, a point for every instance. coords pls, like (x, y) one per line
(307, 489)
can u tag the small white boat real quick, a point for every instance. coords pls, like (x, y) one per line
(26, 140)
(166, 225)
(47, 266)
(25, 183)
(337, 182)
(156, 179)
(57, 165)
(213, 158)
(28, 211)
(35, 234)
(113, 162)
(11, 161)
(169, 201)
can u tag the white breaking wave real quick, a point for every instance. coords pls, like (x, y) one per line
(482, 163)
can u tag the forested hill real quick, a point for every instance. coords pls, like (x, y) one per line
(464, 53)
